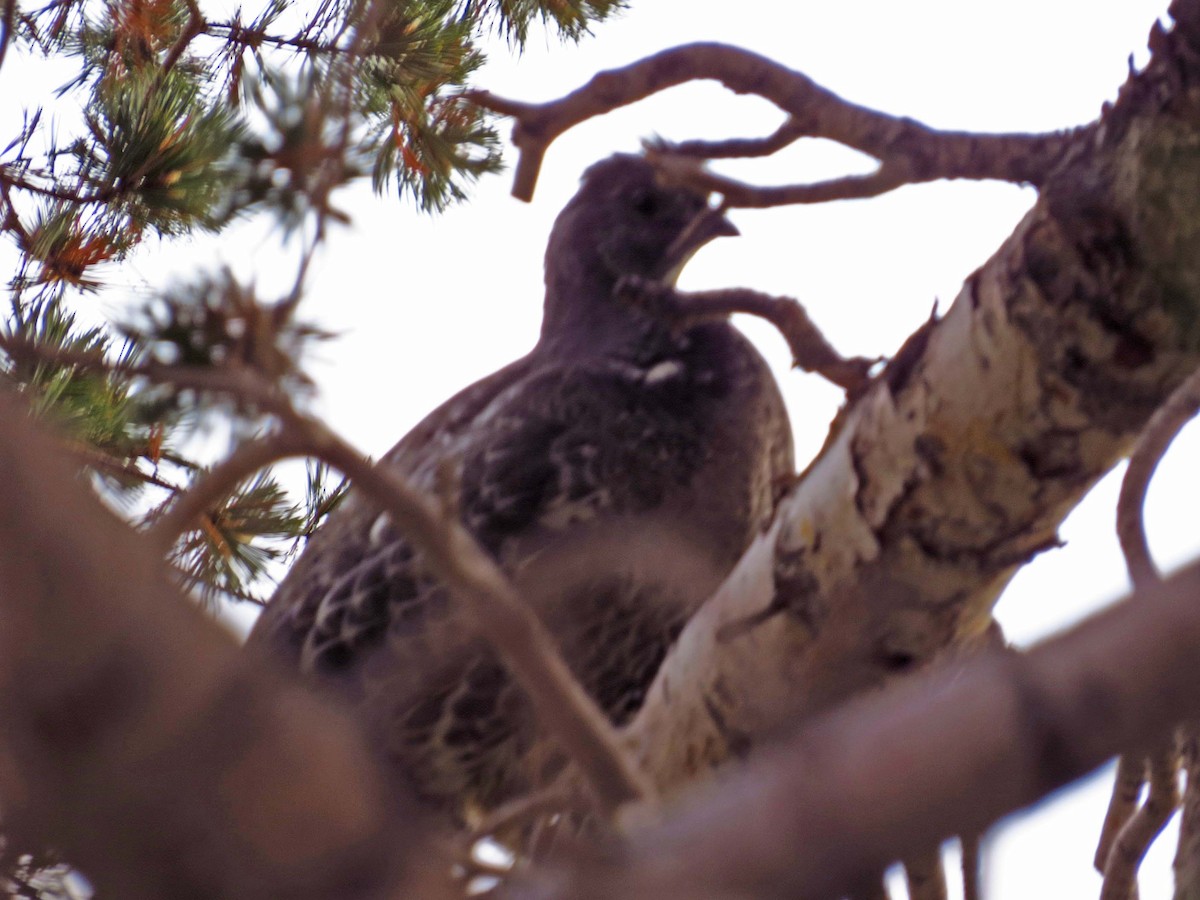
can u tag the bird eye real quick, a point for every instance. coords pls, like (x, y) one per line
(645, 202)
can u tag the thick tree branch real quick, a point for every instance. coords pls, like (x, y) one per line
(125, 706)
(449, 551)
(961, 460)
(974, 741)
(910, 151)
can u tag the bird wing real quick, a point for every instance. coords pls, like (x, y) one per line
(541, 449)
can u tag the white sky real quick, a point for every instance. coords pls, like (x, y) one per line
(427, 305)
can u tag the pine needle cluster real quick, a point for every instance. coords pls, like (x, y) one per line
(178, 121)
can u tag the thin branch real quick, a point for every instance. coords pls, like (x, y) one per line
(920, 152)
(1127, 835)
(972, 867)
(449, 550)
(925, 876)
(254, 37)
(1120, 873)
(101, 195)
(1187, 855)
(785, 135)
(1166, 423)
(191, 30)
(522, 811)
(97, 459)
(810, 350)
(1127, 787)
(218, 483)
(889, 176)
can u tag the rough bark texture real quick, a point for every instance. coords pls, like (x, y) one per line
(136, 737)
(960, 464)
(890, 774)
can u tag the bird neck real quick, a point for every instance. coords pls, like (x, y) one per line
(583, 316)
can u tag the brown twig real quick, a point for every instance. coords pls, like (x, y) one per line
(905, 147)
(253, 37)
(1127, 834)
(192, 29)
(1135, 838)
(449, 550)
(524, 810)
(810, 350)
(218, 483)
(972, 867)
(1127, 787)
(926, 876)
(1181, 407)
(887, 177)
(97, 459)
(785, 135)
(1187, 855)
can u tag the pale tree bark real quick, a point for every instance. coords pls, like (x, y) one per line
(895, 772)
(958, 465)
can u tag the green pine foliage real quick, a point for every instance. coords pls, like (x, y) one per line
(97, 412)
(180, 119)
(239, 542)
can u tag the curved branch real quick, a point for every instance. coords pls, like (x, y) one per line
(449, 550)
(1164, 426)
(218, 483)
(911, 147)
(1129, 830)
(811, 351)
(123, 704)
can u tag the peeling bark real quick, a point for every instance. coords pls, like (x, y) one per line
(960, 463)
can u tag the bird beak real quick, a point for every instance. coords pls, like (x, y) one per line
(709, 224)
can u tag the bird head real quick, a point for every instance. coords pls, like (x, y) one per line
(627, 219)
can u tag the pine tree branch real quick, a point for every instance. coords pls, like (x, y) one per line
(219, 483)
(254, 37)
(449, 550)
(193, 28)
(97, 459)
(909, 152)
(123, 703)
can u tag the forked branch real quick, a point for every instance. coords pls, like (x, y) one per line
(907, 150)
(1129, 830)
